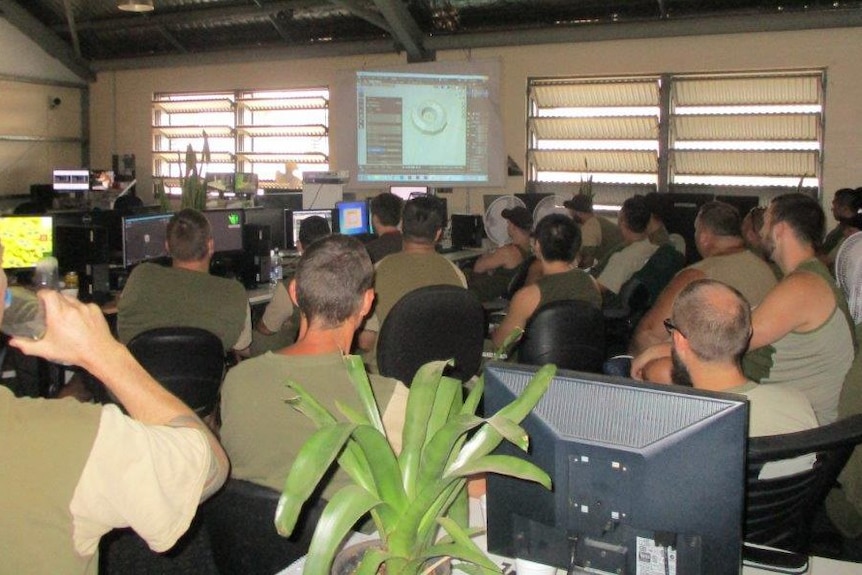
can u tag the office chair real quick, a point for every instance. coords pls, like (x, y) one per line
(188, 361)
(432, 323)
(240, 523)
(567, 333)
(780, 511)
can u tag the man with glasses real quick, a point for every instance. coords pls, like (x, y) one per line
(710, 328)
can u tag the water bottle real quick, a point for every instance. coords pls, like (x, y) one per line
(275, 268)
(23, 313)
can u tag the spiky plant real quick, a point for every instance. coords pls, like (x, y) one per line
(413, 494)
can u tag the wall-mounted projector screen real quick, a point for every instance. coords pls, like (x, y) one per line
(435, 124)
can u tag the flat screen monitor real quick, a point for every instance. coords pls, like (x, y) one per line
(407, 192)
(296, 217)
(226, 227)
(644, 476)
(220, 184)
(272, 217)
(144, 238)
(353, 218)
(245, 183)
(68, 181)
(26, 240)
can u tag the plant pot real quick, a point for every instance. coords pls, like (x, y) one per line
(348, 559)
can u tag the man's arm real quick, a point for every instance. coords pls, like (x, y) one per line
(493, 260)
(523, 305)
(650, 330)
(78, 334)
(802, 302)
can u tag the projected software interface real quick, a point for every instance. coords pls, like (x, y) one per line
(26, 240)
(422, 127)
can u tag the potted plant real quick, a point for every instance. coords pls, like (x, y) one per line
(193, 185)
(413, 494)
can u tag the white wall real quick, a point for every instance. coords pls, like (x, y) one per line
(20, 56)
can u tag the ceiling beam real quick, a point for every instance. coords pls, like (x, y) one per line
(46, 39)
(371, 17)
(70, 19)
(172, 39)
(195, 16)
(404, 29)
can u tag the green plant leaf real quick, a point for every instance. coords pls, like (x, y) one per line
(384, 468)
(463, 547)
(474, 397)
(507, 465)
(488, 438)
(339, 516)
(359, 377)
(371, 561)
(436, 454)
(313, 460)
(420, 402)
(511, 431)
(448, 394)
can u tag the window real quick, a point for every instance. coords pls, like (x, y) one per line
(273, 134)
(719, 134)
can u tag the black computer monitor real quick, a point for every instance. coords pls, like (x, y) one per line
(272, 217)
(144, 238)
(292, 219)
(407, 192)
(640, 473)
(26, 240)
(226, 227)
(353, 218)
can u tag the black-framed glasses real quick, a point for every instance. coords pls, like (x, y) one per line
(668, 325)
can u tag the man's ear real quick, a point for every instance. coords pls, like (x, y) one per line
(210, 247)
(291, 291)
(438, 235)
(367, 301)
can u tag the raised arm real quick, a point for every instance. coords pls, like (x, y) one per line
(78, 334)
(523, 305)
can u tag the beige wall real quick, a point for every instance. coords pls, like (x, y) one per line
(120, 101)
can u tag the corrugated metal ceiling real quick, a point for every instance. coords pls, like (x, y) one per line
(97, 35)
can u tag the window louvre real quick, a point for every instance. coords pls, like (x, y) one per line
(271, 133)
(739, 134)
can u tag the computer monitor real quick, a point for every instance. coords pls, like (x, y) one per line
(26, 240)
(644, 476)
(407, 192)
(296, 217)
(246, 183)
(226, 227)
(353, 218)
(272, 217)
(70, 181)
(220, 184)
(144, 238)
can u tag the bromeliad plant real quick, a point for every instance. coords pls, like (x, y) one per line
(413, 494)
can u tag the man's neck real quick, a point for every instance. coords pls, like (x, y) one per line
(195, 266)
(792, 255)
(551, 268)
(725, 245)
(716, 376)
(383, 230)
(318, 341)
(413, 247)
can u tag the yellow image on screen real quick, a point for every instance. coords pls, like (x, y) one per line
(26, 240)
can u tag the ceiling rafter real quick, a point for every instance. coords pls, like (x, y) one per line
(405, 30)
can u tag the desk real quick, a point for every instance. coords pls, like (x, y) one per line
(816, 566)
(464, 254)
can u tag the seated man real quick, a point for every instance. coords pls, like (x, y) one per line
(718, 237)
(710, 327)
(73, 471)
(803, 333)
(600, 236)
(261, 433)
(493, 271)
(185, 294)
(556, 244)
(634, 217)
(280, 310)
(659, 206)
(385, 217)
(842, 209)
(417, 264)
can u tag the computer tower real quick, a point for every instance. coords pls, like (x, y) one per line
(467, 231)
(95, 283)
(257, 245)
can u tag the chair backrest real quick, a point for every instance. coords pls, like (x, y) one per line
(780, 511)
(432, 323)
(567, 333)
(520, 277)
(240, 523)
(188, 361)
(659, 270)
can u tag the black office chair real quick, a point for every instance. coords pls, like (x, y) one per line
(188, 361)
(240, 522)
(567, 333)
(432, 323)
(780, 511)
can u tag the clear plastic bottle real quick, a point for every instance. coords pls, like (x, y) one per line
(23, 314)
(275, 268)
